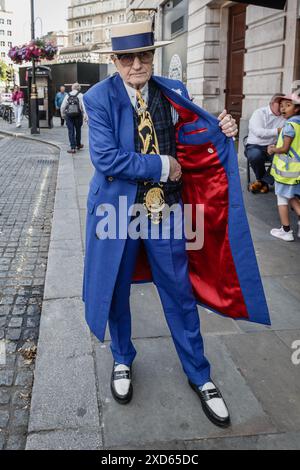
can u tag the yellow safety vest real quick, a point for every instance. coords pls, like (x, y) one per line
(286, 167)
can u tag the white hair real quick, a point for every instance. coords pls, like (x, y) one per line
(76, 86)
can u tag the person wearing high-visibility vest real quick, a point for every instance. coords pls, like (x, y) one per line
(286, 166)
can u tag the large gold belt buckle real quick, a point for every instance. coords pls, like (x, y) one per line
(154, 201)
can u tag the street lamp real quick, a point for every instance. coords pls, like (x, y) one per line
(33, 91)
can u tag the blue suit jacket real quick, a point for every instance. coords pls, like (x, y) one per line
(224, 273)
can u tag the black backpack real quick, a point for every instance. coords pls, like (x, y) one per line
(73, 106)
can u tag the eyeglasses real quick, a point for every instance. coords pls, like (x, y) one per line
(126, 60)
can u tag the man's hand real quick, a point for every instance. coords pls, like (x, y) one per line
(271, 149)
(175, 169)
(228, 124)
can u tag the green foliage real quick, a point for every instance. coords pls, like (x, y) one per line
(3, 69)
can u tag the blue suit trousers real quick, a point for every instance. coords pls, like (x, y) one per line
(169, 266)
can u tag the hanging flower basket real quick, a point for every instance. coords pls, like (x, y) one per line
(36, 50)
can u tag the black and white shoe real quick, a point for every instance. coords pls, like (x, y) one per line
(213, 404)
(120, 384)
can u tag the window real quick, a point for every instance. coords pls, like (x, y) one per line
(1, 32)
(9, 44)
(8, 22)
(78, 39)
(121, 17)
(2, 43)
(176, 2)
(109, 19)
(9, 33)
(177, 25)
(88, 37)
(2, 54)
(90, 22)
(1, 21)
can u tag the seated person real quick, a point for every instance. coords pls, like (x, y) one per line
(264, 127)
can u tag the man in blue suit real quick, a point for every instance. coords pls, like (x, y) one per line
(139, 128)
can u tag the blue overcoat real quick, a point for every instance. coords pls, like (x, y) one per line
(224, 273)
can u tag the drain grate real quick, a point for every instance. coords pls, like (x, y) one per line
(46, 162)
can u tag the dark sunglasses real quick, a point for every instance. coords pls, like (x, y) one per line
(127, 59)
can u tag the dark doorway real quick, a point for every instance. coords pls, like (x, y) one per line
(235, 60)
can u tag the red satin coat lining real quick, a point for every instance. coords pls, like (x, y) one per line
(212, 271)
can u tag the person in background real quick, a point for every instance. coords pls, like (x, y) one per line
(286, 166)
(18, 103)
(59, 98)
(264, 127)
(72, 109)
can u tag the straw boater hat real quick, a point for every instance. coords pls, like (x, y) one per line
(133, 37)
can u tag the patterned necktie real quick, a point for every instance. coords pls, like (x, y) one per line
(154, 200)
(146, 130)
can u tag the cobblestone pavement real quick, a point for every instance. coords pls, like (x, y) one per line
(28, 172)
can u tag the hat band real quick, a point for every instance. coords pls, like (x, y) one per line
(134, 41)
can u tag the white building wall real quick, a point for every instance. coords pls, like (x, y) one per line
(264, 59)
(5, 37)
(203, 55)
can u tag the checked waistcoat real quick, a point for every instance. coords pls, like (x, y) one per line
(160, 110)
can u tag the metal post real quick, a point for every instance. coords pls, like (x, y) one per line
(33, 94)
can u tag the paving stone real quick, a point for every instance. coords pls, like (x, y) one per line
(20, 419)
(65, 397)
(30, 333)
(19, 398)
(15, 322)
(4, 397)
(6, 377)
(266, 364)
(16, 442)
(69, 439)
(64, 279)
(4, 417)
(19, 310)
(13, 334)
(64, 220)
(271, 265)
(33, 322)
(287, 441)
(21, 300)
(289, 337)
(284, 309)
(33, 310)
(166, 445)
(24, 378)
(7, 300)
(164, 408)
(2, 441)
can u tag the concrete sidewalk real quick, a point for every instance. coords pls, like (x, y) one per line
(72, 407)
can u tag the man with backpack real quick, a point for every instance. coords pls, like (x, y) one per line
(72, 109)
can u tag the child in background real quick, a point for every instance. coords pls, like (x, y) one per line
(286, 166)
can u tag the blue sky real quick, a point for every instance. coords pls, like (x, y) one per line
(53, 14)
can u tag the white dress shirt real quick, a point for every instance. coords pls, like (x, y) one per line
(263, 127)
(165, 162)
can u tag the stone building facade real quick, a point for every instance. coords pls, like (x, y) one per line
(237, 55)
(6, 33)
(89, 25)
